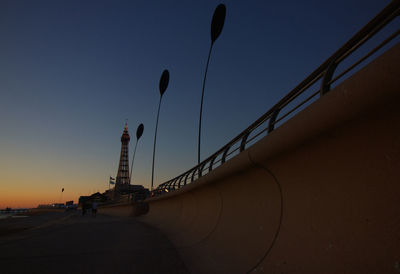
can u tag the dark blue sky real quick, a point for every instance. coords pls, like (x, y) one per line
(71, 72)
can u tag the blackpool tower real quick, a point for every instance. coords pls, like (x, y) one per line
(122, 180)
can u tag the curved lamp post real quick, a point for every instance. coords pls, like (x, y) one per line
(139, 133)
(217, 24)
(163, 87)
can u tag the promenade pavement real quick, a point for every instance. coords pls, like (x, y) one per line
(72, 243)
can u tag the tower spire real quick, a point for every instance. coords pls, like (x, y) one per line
(123, 168)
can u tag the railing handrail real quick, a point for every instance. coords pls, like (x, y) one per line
(324, 71)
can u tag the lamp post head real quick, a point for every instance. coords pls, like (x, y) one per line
(217, 22)
(139, 131)
(164, 82)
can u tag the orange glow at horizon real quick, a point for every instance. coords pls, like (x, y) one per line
(29, 193)
(32, 197)
(29, 181)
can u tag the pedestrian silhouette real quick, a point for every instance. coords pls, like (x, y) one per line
(94, 209)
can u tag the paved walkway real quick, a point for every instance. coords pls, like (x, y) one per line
(83, 244)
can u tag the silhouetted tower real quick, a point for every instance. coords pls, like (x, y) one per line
(123, 168)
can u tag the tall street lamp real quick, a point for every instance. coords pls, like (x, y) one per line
(217, 24)
(162, 87)
(139, 133)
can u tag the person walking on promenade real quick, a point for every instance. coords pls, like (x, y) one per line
(94, 208)
(83, 209)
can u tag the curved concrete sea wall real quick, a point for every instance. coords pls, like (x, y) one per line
(320, 194)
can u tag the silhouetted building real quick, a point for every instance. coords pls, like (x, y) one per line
(135, 192)
(98, 197)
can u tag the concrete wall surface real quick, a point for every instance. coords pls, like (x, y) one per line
(320, 194)
(121, 210)
(130, 209)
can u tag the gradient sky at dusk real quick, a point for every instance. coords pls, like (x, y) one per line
(72, 71)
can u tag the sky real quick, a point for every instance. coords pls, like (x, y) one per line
(72, 72)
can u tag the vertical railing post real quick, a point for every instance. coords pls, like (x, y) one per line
(244, 140)
(201, 167)
(193, 173)
(210, 167)
(224, 154)
(187, 175)
(271, 124)
(326, 79)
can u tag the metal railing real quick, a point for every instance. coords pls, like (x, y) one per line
(289, 105)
